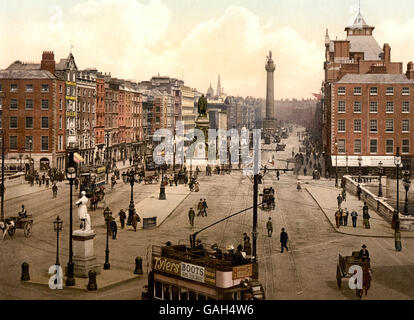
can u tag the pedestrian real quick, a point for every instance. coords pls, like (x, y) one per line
(345, 215)
(134, 221)
(122, 217)
(47, 181)
(55, 190)
(130, 161)
(359, 191)
(191, 215)
(171, 180)
(283, 240)
(247, 246)
(338, 218)
(277, 174)
(176, 179)
(341, 221)
(354, 216)
(205, 208)
(366, 216)
(298, 186)
(114, 228)
(339, 198)
(304, 171)
(343, 194)
(43, 179)
(76, 184)
(196, 187)
(269, 227)
(200, 207)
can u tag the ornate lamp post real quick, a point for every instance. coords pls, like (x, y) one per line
(108, 217)
(162, 187)
(71, 176)
(380, 172)
(130, 176)
(395, 218)
(336, 164)
(57, 225)
(359, 164)
(407, 184)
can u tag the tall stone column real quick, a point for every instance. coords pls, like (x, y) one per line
(269, 123)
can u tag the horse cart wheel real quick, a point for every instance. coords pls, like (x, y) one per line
(338, 277)
(11, 232)
(27, 229)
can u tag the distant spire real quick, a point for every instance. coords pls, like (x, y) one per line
(218, 92)
(327, 39)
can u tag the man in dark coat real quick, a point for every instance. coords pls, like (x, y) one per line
(191, 215)
(339, 198)
(359, 191)
(354, 216)
(366, 216)
(269, 227)
(283, 240)
(114, 228)
(277, 174)
(363, 253)
(122, 217)
(205, 207)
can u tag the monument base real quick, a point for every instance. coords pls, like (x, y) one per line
(84, 258)
(269, 126)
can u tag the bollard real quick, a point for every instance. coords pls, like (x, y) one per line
(138, 266)
(92, 286)
(25, 272)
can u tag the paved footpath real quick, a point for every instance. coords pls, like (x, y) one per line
(325, 195)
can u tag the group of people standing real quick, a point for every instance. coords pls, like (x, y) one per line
(341, 215)
(202, 210)
(283, 235)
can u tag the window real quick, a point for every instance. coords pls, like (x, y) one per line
(406, 107)
(341, 146)
(406, 91)
(29, 122)
(341, 91)
(60, 104)
(373, 107)
(389, 125)
(373, 146)
(405, 126)
(60, 89)
(389, 146)
(14, 88)
(406, 146)
(29, 88)
(0, 88)
(29, 104)
(45, 88)
(45, 104)
(45, 123)
(13, 104)
(357, 146)
(389, 107)
(357, 125)
(1, 103)
(373, 126)
(357, 107)
(60, 122)
(341, 125)
(45, 143)
(341, 107)
(60, 142)
(390, 91)
(357, 91)
(13, 142)
(68, 89)
(28, 143)
(13, 122)
(373, 91)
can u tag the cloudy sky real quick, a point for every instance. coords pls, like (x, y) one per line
(197, 39)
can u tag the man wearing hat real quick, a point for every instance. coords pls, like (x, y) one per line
(363, 253)
(191, 215)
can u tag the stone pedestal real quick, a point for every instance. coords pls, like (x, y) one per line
(406, 223)
(203, 124)
(83, 254)
(269, 126)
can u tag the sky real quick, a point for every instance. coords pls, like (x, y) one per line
(195, 40)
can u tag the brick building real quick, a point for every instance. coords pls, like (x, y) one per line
(31, 100)
(100, 118)
(367, 102)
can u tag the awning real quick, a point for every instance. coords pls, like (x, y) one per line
(78, 158)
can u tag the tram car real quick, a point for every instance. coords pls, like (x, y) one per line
(91, 180)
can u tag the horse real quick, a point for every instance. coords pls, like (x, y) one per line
(366, 283)
(7, 225)
(94, 202)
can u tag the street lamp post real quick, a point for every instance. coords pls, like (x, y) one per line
(359, 164)
(162, 187)
(407, 184)
(380, 172)
(336, 164)
(108, 217)
(395, 218)
(2, 175)
(131, 179)
(57, 225)
(71, 176)
(107, 157)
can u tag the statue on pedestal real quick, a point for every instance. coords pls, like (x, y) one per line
(85, 218)
(202, 106)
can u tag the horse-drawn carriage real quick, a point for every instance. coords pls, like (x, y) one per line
(150, 177)
(280, 147)
(98, 196)
(345, 263)
(20, 222)
(268, 198)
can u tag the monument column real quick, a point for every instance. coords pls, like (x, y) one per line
(269, 124)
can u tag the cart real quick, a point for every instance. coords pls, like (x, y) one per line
(25, 223)
(150, 177)
(344, 263)
(268, 198)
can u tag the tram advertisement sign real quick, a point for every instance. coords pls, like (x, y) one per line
(166, 265)
(242, 271)
(192, 272)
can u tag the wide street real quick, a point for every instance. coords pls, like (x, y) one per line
(307, 271)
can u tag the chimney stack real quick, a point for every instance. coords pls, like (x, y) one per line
(48, 62)
(387, 52)
(410, 70)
